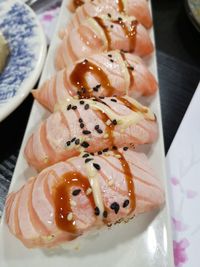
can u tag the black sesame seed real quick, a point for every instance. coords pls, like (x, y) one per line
(109, 15)
(105, 150)
(76, 192)
(101, 97)
(82, 102)
(92, 154)
(114, 122)
(114, 148)
(82, 125)
(85, 155)
(96, 127)
(99, 131)
(86, 132)
(96, 166)
(111, 60)
(87, 106)
(109, 55)
(104, 103)
(115, 206)
(130, 67)
(123, 51)
(73, 139)
(69, 107)
(77, 142)
(80, 120)
(126, 203)
(120, 19)
(95, 89)
(113, 100)
(68, 143)
(100, 152)
(74, 107)
(125, 148)
(88, 160)
(111, 26)
(81, 91)
(85, 144)
(96, 211)
(105, 214)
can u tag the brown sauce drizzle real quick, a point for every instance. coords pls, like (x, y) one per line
(124, 163)
(129, 180)
(78, 3)
(129, 70)
(120, 6)
(105, 29)
(132, 106)
(130, 32)
(109, 128)
(62, 195)
(78, 79)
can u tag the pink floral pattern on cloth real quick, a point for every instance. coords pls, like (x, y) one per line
(183, 167)
(48, 19)
(180, 256)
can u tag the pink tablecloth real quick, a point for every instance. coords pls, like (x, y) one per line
(48, 18)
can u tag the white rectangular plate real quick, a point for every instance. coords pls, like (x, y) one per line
(143, 242)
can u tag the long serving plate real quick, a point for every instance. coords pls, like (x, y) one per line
(143, 242)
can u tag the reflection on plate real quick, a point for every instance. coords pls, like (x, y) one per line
(27, 52)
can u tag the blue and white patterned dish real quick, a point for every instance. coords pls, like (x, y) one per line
(27, 53)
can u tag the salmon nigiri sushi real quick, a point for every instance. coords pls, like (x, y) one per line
(104, 74)
(73, 197)
(90, 124)
(137, 8)
(100, 34)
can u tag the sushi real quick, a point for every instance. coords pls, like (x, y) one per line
(94, 125)
(103, 74)
(75, 196)
(137, 8)
(101, 34)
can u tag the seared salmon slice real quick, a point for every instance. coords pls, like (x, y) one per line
(137, 8)
(72, 197)
(101, 34)
(90, 124)
(103, 74)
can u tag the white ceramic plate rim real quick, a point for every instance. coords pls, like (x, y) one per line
(28, 84)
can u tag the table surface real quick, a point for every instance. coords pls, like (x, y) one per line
(178, 57)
